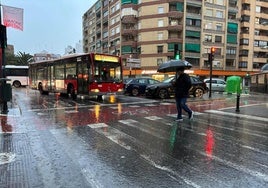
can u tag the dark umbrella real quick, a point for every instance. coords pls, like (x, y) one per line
(264, 67)
(173, 65)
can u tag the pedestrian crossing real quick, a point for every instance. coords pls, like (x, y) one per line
(149, 125)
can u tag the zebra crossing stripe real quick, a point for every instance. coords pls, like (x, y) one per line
(237, 115)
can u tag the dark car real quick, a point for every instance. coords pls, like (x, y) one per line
(137, 86)
(165, 89)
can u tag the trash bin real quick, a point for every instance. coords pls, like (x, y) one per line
(234, 85)
(5, 91)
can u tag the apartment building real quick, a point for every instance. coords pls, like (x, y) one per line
(145, 32)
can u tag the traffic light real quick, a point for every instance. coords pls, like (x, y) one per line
(177, 54)
(212, 52)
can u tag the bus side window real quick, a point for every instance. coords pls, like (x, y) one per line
(70, 77)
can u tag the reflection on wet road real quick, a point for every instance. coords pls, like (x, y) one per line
(134, 142)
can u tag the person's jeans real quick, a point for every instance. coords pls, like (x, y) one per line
(181, 104)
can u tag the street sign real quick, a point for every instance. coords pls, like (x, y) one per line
(132, 60)
(133, 63)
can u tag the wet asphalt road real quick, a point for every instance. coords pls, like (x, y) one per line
(52, 141)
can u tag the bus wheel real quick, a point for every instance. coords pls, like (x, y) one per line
(16, 84)
(71, 92)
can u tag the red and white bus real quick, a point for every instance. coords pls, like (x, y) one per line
(79, 74)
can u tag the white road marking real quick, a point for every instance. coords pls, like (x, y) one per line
(118, 136)
(153, 118)
(238, 115)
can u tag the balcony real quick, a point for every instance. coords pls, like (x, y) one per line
(174, 28)
(175, 14)
(129, 43)
(174, 40)
(129, 19)
(195, 2)
(131, 31)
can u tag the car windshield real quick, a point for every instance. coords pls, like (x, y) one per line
(168, 79)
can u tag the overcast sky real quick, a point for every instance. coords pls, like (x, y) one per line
(49, 25)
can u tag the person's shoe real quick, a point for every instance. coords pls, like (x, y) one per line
(179, 120)
(191, 116)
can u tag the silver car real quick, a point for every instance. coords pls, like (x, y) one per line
(217, 84)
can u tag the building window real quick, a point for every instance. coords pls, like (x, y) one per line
(209, 12)
(117, 30)
(218, 38)
(160, 23)
(112, 32)
(231, 51)
(245, 18)
(193, 22)
(219, 27)
(159, 61)
(160, 36)
(139, 37)
(258, 9)
(105, 34)
(160, 49)
(257, 20)
(244, 41)
(160, 10)
(219, 2)
(243, 64)
(257, 32)
(243, 53)
(117, 6)
(105, 13)
(208, 25)
(208, 38)
(219, 14)
(113, 9)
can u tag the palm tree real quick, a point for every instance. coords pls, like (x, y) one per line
(20, 59)
(23, 58)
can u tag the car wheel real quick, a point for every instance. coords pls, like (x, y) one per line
(163, 94)
(135, 92)
(198, 92)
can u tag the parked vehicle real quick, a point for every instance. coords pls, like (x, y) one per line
(137, 86)
(216, 84)
(165, 89)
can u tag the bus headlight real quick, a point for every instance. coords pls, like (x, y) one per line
(95, 90)
(120, 90)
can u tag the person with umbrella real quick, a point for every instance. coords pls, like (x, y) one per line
(182, 86)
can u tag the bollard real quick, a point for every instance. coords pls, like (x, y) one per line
(237, 103)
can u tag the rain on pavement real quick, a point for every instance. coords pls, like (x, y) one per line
(53, 141)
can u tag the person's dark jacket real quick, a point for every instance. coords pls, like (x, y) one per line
(182, 85)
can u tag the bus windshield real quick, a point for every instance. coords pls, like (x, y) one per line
(107, 72)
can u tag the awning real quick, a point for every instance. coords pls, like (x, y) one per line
(231, 39)
(192, 47)
(232, 28)
(194, 34)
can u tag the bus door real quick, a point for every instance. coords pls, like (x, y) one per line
(82, 77)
